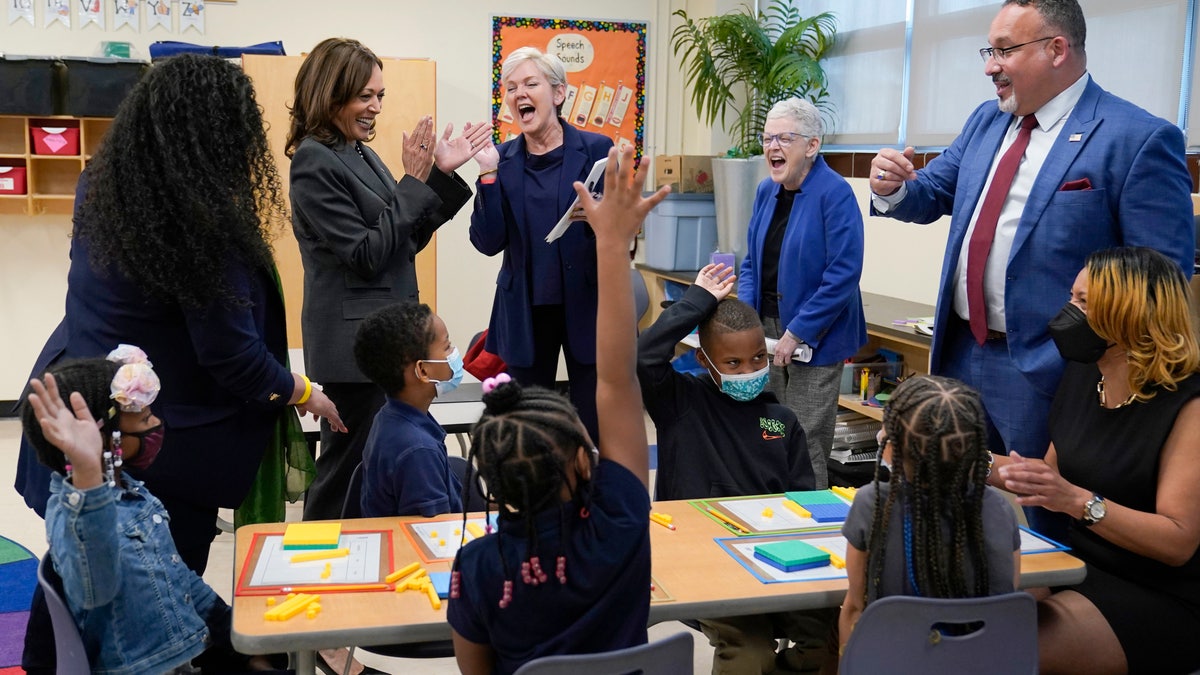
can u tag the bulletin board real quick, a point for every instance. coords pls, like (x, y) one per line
(606, 73)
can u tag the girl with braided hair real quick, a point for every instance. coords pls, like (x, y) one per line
(935, 529)
(568, 569)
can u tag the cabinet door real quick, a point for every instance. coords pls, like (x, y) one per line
(412, 85)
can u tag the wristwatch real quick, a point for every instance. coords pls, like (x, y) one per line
(1094, 510)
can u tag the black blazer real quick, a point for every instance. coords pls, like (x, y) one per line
(359, 232)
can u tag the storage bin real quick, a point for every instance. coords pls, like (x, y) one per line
(55, 140)
(31, 85)
(681, 232)
(96, 86)
(852, 373)
(12, 180)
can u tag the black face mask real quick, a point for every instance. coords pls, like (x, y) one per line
(1075, 339)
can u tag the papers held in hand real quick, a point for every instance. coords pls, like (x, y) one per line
(592, 181)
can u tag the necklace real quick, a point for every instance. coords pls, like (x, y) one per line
(358, 147)
(1100, 392)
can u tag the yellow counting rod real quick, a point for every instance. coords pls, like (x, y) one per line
(475, 530)
(291, 607)
(434, 600)
(844, 492)
(834, 559)
(402, 572)
(309, 556)
(796, 508)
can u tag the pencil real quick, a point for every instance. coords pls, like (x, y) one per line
(727, 520)
(657, 518)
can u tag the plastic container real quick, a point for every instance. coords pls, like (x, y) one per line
(164, 49)
(12, 180)
(31, 85)
(681, 232)
(97, 85)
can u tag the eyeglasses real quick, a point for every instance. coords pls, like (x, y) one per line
(1001, 53)
(785, 139)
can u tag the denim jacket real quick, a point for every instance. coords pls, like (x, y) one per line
(138, 607)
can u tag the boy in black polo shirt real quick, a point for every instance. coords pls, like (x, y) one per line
(722, 435)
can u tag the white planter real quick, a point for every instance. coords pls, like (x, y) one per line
(734, 185)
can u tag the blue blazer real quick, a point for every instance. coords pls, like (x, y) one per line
(1139, 196)
(820, 264)
(224, 382)
(498, 224)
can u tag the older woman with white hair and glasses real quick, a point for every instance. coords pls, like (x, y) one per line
(545, 293)
(801, 272)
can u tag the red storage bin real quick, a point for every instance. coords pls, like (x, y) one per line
(12, 180)
(55, 140)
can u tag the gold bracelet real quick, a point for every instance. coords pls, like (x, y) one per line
(307, 392)
(484, 173)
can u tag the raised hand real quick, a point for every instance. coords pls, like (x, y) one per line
(618, 217)
(450, 153)
(716, 279)
(73, 430)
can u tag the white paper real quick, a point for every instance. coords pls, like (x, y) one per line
(750, 511)
(191, 15)
(440, 537)
(834, 543)
(592, 180)
(57, 11)
(158, 13)
(125, 13)
(91, 11)
(275, 566)
(20, 9)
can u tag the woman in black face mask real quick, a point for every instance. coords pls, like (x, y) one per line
(1124, 462)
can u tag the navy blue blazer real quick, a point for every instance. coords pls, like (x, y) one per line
(498, 224)
(224, 382)
(1140, 195)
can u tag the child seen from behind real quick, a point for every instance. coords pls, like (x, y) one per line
(936, 529)
(139, 609)
(405, 349)
(568, 569)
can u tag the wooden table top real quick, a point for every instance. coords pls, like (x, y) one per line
(701, 579)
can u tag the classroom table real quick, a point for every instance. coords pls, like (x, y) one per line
(699, 577)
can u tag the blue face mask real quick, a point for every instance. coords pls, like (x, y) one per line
(454, 360)
(743, 388)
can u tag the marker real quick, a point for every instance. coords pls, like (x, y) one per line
(727, 520)
(796, 508)
(834, 559)
(333, 589)
(658, 518)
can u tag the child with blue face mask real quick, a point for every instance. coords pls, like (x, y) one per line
(405, 348)
(723, 435)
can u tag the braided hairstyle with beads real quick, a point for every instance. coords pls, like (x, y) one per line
(522, 448)
(939, 468)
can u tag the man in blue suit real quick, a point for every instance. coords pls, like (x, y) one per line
(1097, 172)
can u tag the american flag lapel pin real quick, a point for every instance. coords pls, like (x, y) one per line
(1075, 138)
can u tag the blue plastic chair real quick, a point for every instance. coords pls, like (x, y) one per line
(902, 634)
(669, 656)
(71, 658)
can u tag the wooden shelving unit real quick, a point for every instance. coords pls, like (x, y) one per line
(49, 179)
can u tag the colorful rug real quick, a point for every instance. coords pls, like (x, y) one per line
(18, 577)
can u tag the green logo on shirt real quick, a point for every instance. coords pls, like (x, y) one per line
(773, 426)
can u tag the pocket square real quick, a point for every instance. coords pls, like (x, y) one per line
(1081, 184)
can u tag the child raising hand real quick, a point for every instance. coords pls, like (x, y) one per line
(568, 569)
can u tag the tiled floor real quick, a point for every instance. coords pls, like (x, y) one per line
(19, 523)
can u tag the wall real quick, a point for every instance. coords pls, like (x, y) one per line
(33, 260)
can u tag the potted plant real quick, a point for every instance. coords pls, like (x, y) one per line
(742, 63)
(738, 65)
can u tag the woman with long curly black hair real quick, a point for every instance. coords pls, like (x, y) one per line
(171, 252)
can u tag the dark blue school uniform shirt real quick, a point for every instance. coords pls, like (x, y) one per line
(604, 605)
(406, 471)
